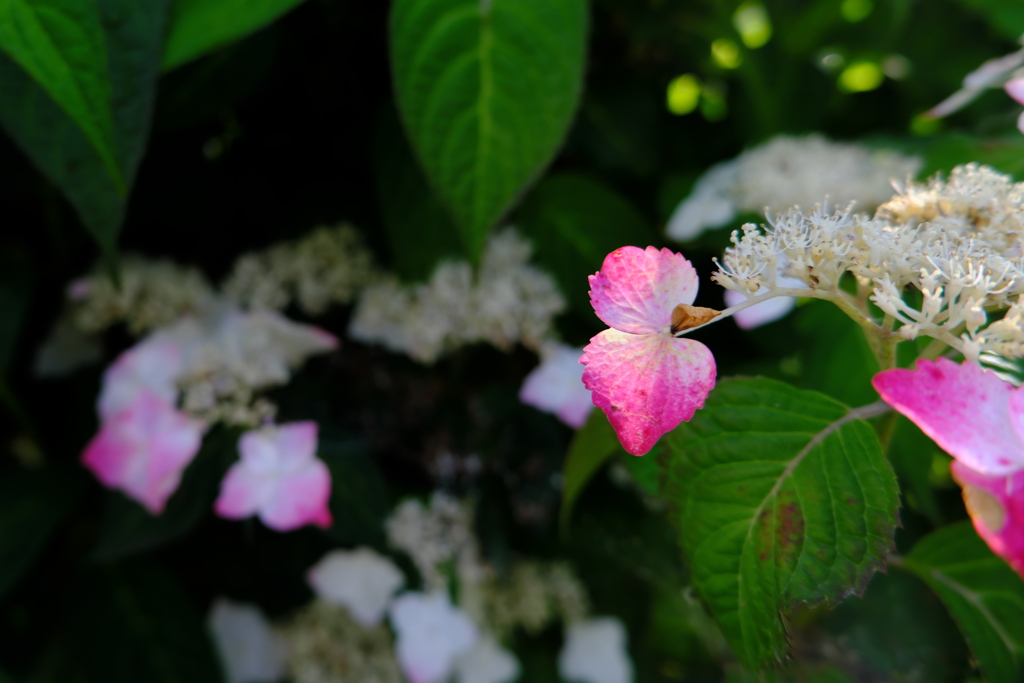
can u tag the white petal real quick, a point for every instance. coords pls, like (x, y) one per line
(248, 648)
(360, 580)
(595, 652)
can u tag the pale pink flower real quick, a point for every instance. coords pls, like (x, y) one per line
(278, 478)
(556, 385)
(991, 74)
(978, 419)
(430, 635)
(360, 580)
(153, 365)
(487, 662)
(645, 379)
(144, 448)
(766, 311)
(1015, 89)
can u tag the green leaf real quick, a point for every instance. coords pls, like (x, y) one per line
(419, 229)
(981, 592)
(835, 358)
(200, 26)
(15, 291)
(941, 154)
(784, 497)
(128, 528)
(360, 499)
(594, 443)
(574, 222)
(912, 453)
(135, 623)
(486, 91)
(118, 52)
(32, 504)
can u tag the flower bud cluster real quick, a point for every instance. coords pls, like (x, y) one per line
(506, 301)
(938, 259)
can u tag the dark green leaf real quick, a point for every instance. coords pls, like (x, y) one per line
(129, 528)
(135, 623)
(783, 498)
(199, 26)
(1005, 17)
(835, 358)
(574, 222)
(360, 500)
(981, 592)
(487, 91)
(15, 289)
(943, 153)
(646, 472)
(32, 504)
(593, 444)
(419, 229)
(912, 454)
(95, 180)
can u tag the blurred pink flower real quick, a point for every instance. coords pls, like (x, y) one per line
(430, 635)
(153, 365)
(978, 419)
(1015, 89)
(279, 478)
(556, 385)
(144, 448)
(645, 379)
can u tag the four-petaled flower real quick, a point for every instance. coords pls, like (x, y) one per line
(279, 478)
(645, 379)
(978, 419)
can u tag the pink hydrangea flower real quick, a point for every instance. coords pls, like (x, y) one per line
(431, 635)
(645, 379)
(978, 419)
(144, 448)
(278, 478)
(556, 385)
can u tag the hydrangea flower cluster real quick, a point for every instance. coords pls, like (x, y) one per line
(787, 171)
(506, 301)
(978, 419)
(956, 242)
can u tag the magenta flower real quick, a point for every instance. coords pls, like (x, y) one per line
(278, 478)
(144, 448)
(645, 379)
(978, 419)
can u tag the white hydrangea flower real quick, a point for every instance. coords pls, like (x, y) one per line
(431, 635)
(487, 662)
(556, 385)
(434, 535)
(595, 652)
(245, 643)
(766, 311)
(360, 580)
(790, 171)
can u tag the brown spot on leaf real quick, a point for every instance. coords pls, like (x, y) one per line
(685, 316)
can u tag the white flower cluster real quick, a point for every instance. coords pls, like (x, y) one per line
(532, 596)
(435, 537)
(505, 302)
(329, 266)
(152, 293)
(937, 259)
(788, 171)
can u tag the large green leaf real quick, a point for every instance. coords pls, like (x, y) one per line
(199, 26)
(985, 596)
(486, 91)
(574, 222)
(594, 443)
(32, 504)
(784, 497)
(420, 231)
(118, 51)
(135, 623)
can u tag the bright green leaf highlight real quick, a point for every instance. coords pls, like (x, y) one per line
(861, 77)
(752, 23)
(200, 26)
(726, 53)
(594, 443)
(116, 59)
(981, 592)
(856, 10)
(683, 94)
(486, 91)
(783, 498)
(61, 45)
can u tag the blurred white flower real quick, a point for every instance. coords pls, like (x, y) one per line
(360, 580)
(768, 311)
(431, 635)
(556, 385)
(67, 348)
(991, 74)
(487, 662)
(595, 652)
(248, 648)
(710, 203)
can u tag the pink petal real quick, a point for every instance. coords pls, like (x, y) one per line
(144, 449)
(963, 408)
(244, 490)
(996, 506)
(1015, 89)
(301, 498)
(152, 365)
(284, 445)
(636, 289)
(647, 384)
